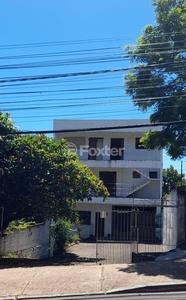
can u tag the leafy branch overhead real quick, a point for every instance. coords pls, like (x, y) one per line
(158, 79)
(42, 178)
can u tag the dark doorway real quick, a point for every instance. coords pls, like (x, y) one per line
(134, 223)
(109, 180)
(100, 226)
(117, 149)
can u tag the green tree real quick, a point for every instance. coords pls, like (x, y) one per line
(158, 81)
(42, 178)
(170, 180)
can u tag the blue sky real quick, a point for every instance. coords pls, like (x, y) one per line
(96, 29)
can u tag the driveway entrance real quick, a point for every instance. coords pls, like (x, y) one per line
(87, 251)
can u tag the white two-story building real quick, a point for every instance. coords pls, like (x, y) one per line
(132, 174)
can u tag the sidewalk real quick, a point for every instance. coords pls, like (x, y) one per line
(87, 277)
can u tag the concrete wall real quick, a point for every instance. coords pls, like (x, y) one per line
(32, 242)
(170, 226)
(151, 190)
(173, 220)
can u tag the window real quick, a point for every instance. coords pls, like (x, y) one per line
(136, 174)
(116, 149)
(153, 174)
(109, 180)
(85, 217)
(95, 144)
(139, 144)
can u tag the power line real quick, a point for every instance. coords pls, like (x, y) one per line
(70, 105)
(43, 77)
(88, 60)
(54, 76)
(83, 60)
(29, 81)
(61, 53)
(62, 43)
(73, 42)
(94, 128)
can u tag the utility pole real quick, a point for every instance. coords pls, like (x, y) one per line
(181, 172)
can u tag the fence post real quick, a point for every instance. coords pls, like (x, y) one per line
(137, 239)
(136, 230)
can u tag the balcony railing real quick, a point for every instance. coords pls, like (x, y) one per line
(121, 190)
(133, 156)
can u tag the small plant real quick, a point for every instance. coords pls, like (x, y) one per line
(18, 225)
(11, 255)
(74, 239)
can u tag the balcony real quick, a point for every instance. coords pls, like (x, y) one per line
(125, 201)
(104, 160)
(121, 163)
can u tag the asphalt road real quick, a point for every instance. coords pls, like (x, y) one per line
(154, 296)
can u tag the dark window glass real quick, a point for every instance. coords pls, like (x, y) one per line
(136, 174)
(153, 174)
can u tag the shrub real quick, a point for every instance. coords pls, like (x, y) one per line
(60, 234)
(74, 239)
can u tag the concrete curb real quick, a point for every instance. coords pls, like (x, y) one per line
(53, 296)
(141, 289)
(154, 288)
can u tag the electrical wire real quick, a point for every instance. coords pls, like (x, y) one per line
(94, 128)
(74, 74)
(100, 40)
(95, 55)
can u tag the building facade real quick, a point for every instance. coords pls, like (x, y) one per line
(132, 175)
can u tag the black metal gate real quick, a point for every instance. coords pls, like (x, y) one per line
(133, 230)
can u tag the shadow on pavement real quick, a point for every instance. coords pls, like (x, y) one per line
(58, 260)
(175, 269)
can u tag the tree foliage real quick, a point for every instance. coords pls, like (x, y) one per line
(171, 179)
(158, 81)
(41, 177)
